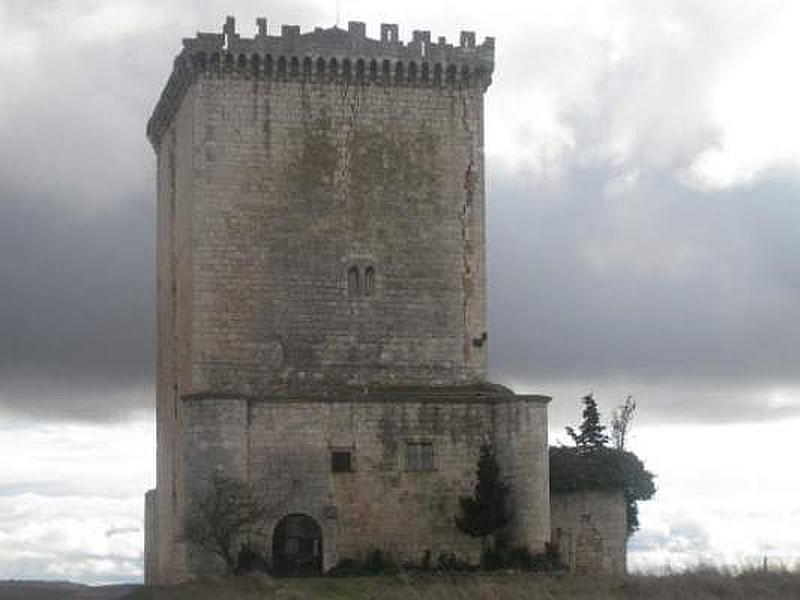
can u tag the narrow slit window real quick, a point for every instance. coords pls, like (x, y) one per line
(369, 281)
(352, 282)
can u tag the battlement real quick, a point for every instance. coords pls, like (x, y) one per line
(331, 55)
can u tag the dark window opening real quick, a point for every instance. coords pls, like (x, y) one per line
(419, 456)
(437, 74)
(451, 74)
(369, 281)
(341, 461)
(297, 546)
(352, 282)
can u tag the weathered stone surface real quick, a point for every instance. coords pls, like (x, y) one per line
(284, 446)
(589, 529)
(322, 285)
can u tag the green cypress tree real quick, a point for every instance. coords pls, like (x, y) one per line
(592, 433)
(485, 512)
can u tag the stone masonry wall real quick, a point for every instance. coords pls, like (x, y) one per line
(150, 538)
(520, 439)
(298, 183)
(284, 448)
(287, 164)
(174, 291)
(590, 530)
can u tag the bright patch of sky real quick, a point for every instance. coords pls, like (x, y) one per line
(754, 103)
(71, 500)
(727, 495)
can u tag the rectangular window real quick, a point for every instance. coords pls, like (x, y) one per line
(341, 461)
(419, 456)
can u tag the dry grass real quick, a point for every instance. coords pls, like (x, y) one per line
(699, 585)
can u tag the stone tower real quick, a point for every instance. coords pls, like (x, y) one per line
(322, 296)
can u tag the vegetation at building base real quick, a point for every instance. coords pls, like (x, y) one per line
(704, 584)
(593, 465)
(500, 557)
(221, 520)
(485, 513)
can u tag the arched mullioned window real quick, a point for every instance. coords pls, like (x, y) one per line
(268, 65)
(333, 68)
(360, 69)
(452, 70)
(353, 283)
(320, 68)
(295, 66)
(426, 73)
(307, 67)
(399, 75)
(369, 281)
(373, 70)
(346, 69)
(282, 67)
(387, 70)
(242, 63)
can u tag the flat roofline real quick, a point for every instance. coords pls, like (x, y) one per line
(372, 397)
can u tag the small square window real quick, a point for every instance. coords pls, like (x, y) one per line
(419, 456)
(341, 461)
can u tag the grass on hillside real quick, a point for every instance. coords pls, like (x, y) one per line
(700, 585)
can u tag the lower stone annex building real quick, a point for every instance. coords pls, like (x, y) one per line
(321, 303)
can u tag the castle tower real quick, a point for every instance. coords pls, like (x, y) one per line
(322, 293)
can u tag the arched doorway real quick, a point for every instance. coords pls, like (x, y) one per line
(297, 546)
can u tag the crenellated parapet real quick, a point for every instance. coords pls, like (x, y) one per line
(331, 55)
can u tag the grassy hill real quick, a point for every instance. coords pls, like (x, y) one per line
(61, 590)
(496, 586)
(700, 585)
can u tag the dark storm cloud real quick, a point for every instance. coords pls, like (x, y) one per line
(613, 268)
(660, 282)
(614, 265)
(77, 211)
(655, 284)
(79, 296)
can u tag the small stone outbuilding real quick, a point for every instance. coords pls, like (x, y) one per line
(590, 531)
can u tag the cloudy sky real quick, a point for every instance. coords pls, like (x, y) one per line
(643, 166)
